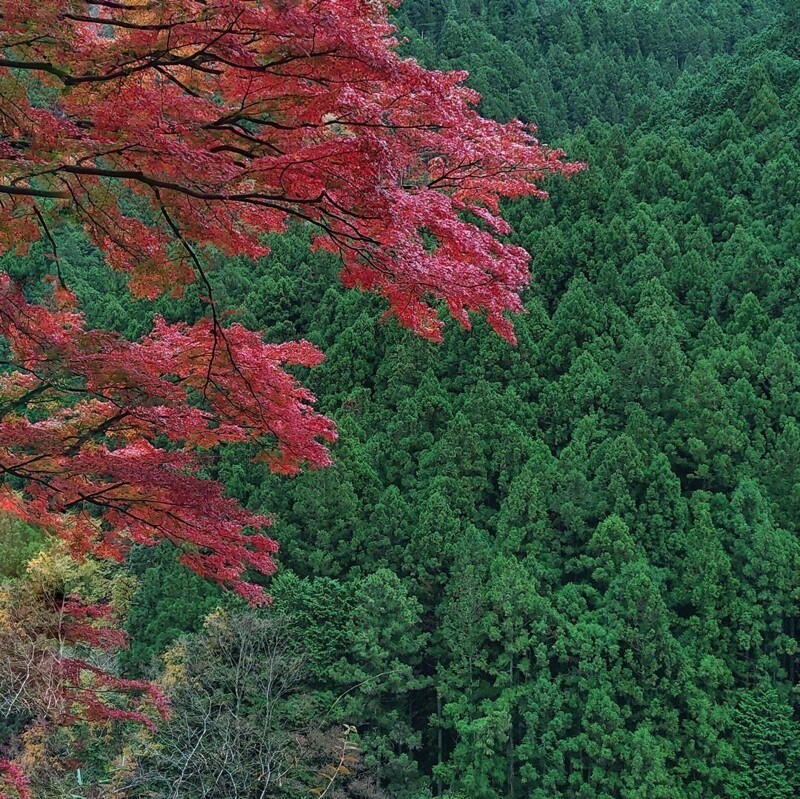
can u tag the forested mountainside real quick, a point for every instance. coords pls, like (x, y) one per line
(561, 63)
(567, 568)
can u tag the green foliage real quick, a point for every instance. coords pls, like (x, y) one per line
(169, 600)
(569, 568)
(19, 543)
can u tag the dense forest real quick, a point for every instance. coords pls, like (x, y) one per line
(565, 568)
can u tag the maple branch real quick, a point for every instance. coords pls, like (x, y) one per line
(215, 326)
(24, 399)
(183, 87)
(148, 180)
(52, 241)
(119, 6)
(36, 66)
(28, 192)
(91, 497)
(152, 60)
(118, 23)
(73, 449)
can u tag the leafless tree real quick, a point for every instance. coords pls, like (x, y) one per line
(242, 726)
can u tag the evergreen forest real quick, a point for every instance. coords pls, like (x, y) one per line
(564, 569)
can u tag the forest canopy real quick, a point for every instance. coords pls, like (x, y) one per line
(566, 568)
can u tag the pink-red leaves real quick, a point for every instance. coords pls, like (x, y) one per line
(13, 783)
(230, 117)
(92, 472)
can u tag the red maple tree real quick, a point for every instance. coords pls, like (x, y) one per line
(221, 121)
(54, 653)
